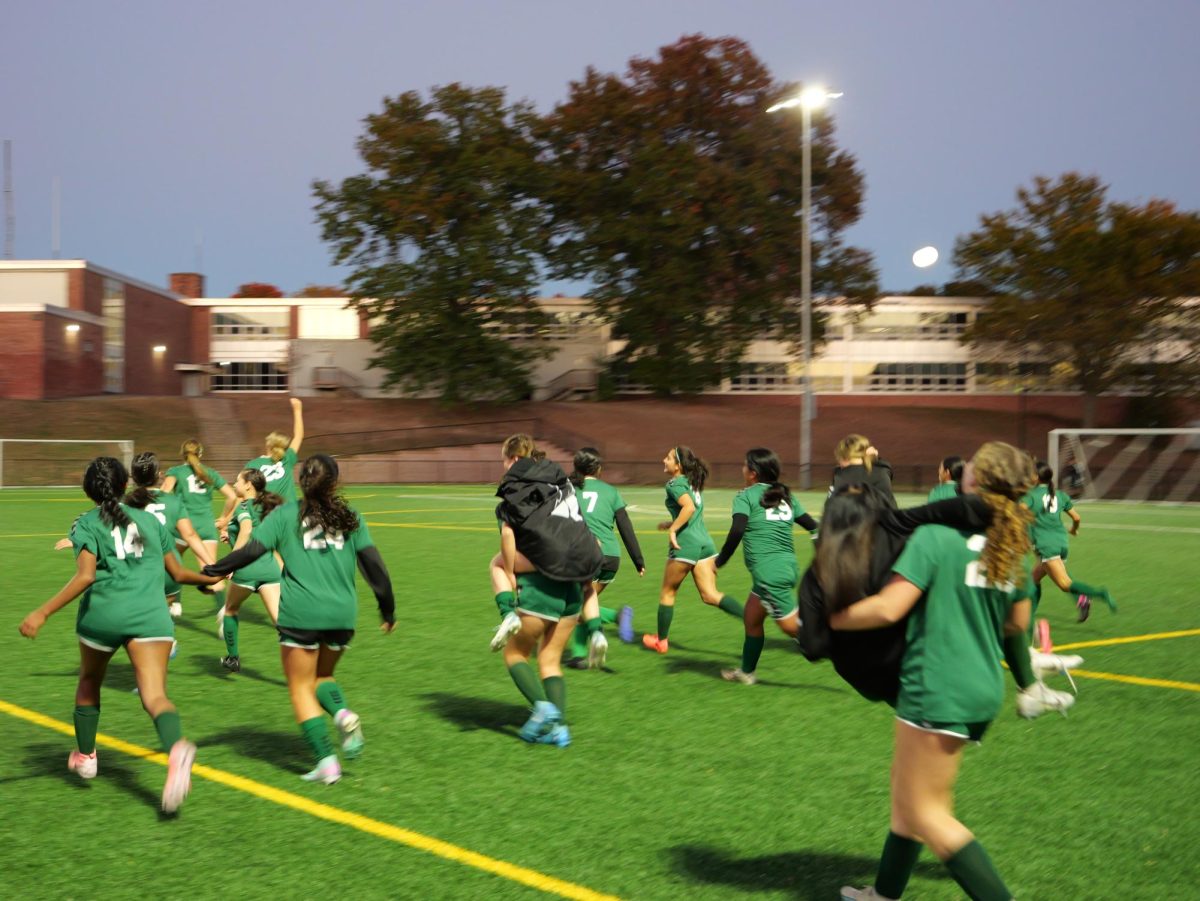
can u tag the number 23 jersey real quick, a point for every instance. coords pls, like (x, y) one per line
(278, 473)
(318, 590)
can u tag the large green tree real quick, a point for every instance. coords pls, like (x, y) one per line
(444, 234)
(678, 198)
(1096, 284)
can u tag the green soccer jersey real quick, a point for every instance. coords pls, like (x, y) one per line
(943, 491)
(318, 578)
(195, 494)
(694, 531)
(129, 570)
(278, 473)
(168, 510)
(951, 667)
(1047, 529)
(264, 569)
(599, 503)
(768, 532)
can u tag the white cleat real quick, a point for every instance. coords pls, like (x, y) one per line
(849, 893)
(509, 626)
(1053, 664)
(736, 675)
(1037, 699)
(328, 771)
(597, 650)
(179, 775)
(83, 765)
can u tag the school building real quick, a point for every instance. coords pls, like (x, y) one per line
(72, 328)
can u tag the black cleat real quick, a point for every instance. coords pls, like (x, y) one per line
(233, 664)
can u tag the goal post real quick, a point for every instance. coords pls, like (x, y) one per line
(1137, 465)
(48, 463)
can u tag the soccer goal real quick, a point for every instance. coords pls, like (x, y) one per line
(33, 463)
(1155, 465)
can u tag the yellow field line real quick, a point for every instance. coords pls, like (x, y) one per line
(430, 525)
(437, 847)
(1137, 680)
(1128, 639)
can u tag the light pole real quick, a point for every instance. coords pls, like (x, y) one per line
(808, 100)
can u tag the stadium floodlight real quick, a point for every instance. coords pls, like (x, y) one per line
(809, 99)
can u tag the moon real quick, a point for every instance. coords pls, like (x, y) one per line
(925, 257)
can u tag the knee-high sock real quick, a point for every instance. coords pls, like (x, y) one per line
(752, 648)
(527, 682)
(974, 871)
(330, 697)
(317, 735)
(556, 693)
(87, 722)
(896, 865)
(732, 606)
(229, 625)
(665, 615)
(169, 729)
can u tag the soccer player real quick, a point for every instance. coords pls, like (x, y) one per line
(281, 455)
(548, 559)
(170, 514)
(320, 538)
(193, 483)
(1050, 542)
(949, 477)
(603, 509)
(120, 553)
(858, 463)
(966, 599)
(763, 513)
(691, 548)
(261, 576)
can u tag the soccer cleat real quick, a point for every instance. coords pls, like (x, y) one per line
(232, 663)
(350, 726)
(509, 626)
(545, 717)
(1037, 699)
(1044, 644)
(1084, 606)
(221, 623)
(1051, 664)
(849, 893)
(597, 650)
(175, 609)
(179, 775)
(625, 624)
(654, 643)
(576, 663)
(174, 649)
(559, 736)
(328, 770)
(83, 765)
(736, 675)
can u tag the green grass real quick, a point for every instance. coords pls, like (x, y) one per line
(676, 784)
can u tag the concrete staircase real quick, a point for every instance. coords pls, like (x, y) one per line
(223, 434)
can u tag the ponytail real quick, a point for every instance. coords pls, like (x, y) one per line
(853, 446)
(266, 501)
(104, 482)
(323, 506)
(695, 469)
(277, 445)
(764, 464)
(191, 451)
(145, 476)
(587, 463)
(1004, 474)
(1046, 476)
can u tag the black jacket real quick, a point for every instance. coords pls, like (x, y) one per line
(879, 478)
(538, 502)
(870, 659)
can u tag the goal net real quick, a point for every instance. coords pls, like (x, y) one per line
(30, 463)
(1156, 465)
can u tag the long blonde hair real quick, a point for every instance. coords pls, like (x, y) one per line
(277, 445)
(853, 446)
(1003, 474)
(191, 451)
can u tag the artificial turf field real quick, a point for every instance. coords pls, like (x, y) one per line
(676, 784)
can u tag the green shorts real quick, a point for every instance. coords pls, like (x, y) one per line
(263, 571)
(547, 598)
(206, 529)
(692, 551)
(608, 570)
(1055, 551)
(775, 581)
(972, 732)
(108, 629)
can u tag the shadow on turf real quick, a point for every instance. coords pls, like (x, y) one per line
(211, 666)
(470, 714)
(118, 677)
(712, 669)
(806, 874)
(284, 750)
(48, 759)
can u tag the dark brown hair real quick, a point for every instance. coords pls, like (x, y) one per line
(323, 505)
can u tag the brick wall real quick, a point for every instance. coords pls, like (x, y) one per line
(154, 319)
(21, 356)
(72, 361)
(189, 284)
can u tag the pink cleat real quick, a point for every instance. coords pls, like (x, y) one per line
(85, 765)
(179, 775)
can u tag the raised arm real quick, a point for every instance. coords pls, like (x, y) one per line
(85, 575)
(297, 424)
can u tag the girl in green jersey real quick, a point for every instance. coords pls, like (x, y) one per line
(321, 539)
(262, 576)
(1050, 543)
(279, 461)
(968, 598)
(120, 553)
(763, 513)
(949, 477)
(691, 548)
